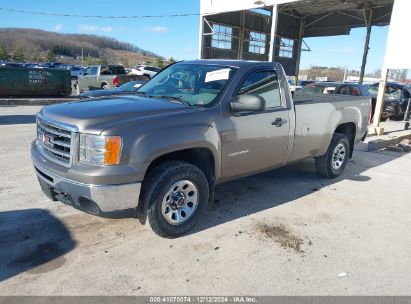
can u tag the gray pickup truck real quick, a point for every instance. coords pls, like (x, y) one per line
(104, 77)
(158, 155)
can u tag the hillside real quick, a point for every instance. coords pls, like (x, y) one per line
(69, 47)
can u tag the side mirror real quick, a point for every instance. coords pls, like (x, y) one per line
(248, 103)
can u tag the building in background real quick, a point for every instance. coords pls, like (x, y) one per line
(274, 30)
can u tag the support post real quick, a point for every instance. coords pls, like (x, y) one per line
(274, 17)
(299, 50)
(201, 38)
(241, 36)
(380, 103)
(368, 23)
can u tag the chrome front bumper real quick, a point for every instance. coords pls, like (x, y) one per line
(95, 199)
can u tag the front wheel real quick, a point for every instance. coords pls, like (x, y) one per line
(334, 161)
(176, 194)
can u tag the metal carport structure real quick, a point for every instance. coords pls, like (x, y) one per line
(294, 20)
(283, 27)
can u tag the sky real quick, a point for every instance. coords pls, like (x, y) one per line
(176, 37)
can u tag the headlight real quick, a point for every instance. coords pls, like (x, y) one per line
(100, 150)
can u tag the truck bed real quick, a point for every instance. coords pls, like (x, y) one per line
(316, 116)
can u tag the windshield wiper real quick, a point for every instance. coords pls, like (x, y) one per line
(177, 98)
(141, 93)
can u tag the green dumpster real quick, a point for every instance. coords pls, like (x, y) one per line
(34, 82)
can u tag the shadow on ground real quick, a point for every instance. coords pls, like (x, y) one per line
(35, 241)
(256, 193)
(17, 119)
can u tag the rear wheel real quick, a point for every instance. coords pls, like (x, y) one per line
(334, 161)
(176, 194)
(105, 86)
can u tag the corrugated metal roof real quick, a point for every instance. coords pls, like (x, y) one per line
(337, 17)
(311, 7)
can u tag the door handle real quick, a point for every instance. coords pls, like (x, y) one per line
(278, 122)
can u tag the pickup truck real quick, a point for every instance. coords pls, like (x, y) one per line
(104, 77)
(158, 155)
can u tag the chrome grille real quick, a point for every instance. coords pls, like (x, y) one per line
(55, 141)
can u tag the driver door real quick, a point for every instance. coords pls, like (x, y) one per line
(256, 141)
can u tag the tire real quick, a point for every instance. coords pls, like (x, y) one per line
(170, 212)
(399, 115)
(330, 166)
(105, 86)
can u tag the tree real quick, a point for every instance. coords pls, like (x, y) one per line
(4, 55)
(159, 62)
(36, 57)
(101, 61)
(124, 61)
(19, 55)
(50, 55)
(171, 60)
(88, 60)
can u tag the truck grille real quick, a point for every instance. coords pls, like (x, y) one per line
(55, 141)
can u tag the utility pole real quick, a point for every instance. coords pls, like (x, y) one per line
(82, 54)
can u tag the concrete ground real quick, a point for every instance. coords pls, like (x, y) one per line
(285, 232)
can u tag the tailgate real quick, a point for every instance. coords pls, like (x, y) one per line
(122, 79)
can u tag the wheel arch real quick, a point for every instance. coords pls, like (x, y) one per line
(201, 157)
(349, 129)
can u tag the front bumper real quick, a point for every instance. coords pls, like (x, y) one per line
(102, 200)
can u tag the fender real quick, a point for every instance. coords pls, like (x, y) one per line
(158, 142)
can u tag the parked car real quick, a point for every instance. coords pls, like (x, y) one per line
(395, 100)
(127, 88)
(76, 71)
(103, 77)
(197, 124)
(12, 65)
(352, 89)
(148, 71)
(343, 88)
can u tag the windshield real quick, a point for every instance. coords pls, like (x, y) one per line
(193, 84)
(396, 95)
(391, 92)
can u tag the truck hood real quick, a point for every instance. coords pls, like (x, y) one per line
(96, 115)
(101, 93)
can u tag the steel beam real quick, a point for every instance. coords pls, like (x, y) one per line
(201, 38)
(274, 18)
(299, 50)
(368, 23)
(241, 39)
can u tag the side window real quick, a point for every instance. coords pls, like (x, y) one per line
(355, 91)
(344, 90)
(87, 71)
(264, 84)
(93, 71)
(364, 91)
